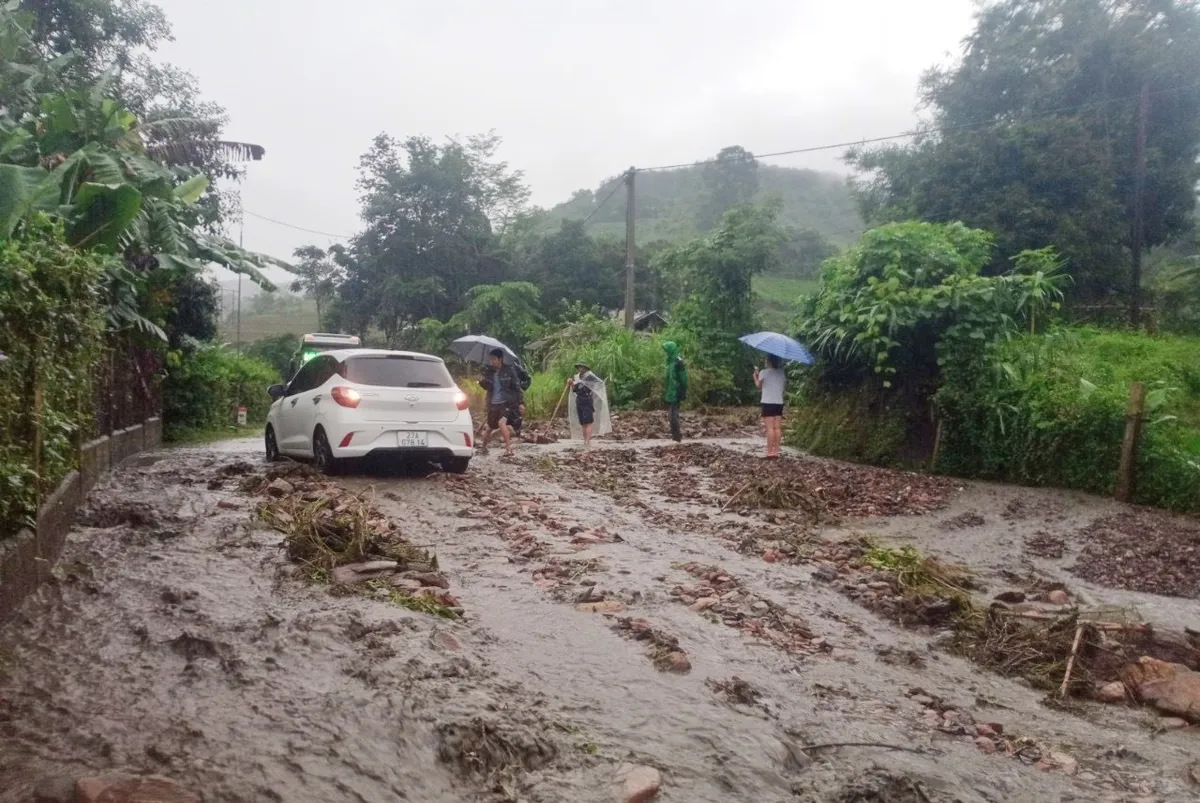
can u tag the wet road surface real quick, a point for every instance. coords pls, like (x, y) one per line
(177, 642)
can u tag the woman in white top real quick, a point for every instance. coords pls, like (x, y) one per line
(772, 380)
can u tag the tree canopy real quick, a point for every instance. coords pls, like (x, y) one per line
(1034, 135)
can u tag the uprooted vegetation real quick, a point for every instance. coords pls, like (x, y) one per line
(339, 537)
(1039, 634)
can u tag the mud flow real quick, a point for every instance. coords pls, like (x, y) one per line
(639, 621)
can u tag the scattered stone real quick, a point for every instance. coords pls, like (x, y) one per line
(1111, 692)
(446, 640)
(228, 504)
(358, 572)
(589, 594)
(989, 729)
(1172, 723)
(678, 662)
(1011, 597)
(1062, 761)
(638, 783)
(128, 789)
(985, 745)
(607, 606)
(436, 579)
(280, 487)
(1058, 597)
(703, 604)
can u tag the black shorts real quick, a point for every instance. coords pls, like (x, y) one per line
(772, 411)
(587, 414)
(507, 411)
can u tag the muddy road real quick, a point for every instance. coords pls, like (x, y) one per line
(635, 605)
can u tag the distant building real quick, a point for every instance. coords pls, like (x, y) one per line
(647, 321)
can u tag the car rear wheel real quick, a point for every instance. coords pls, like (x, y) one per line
(272, 448)
(457, 465)
(326, 463)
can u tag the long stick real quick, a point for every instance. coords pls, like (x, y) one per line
(554, 415)
(1062, 690)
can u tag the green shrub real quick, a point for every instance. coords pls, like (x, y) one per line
(205, 385)
(278, 352)
(633, 365)
(52, 332)
(1050, 410)
(861, 426)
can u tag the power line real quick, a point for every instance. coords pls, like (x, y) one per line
(592, 214)
(298, 228)
(928, 131)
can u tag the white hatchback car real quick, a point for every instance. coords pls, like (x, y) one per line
(363, 402)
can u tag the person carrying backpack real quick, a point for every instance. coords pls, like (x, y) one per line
(676, 388)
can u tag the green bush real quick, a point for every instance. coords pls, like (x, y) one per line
(278, 352)
(52, 319)
(633, 365)
(1050, 410)
(205, 385)
(862, 426)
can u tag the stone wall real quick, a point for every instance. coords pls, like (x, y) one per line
(27, 560)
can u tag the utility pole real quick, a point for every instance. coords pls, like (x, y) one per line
(241, 244)
(1139, 209)
(630, 249)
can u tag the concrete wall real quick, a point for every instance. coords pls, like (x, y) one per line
(27, 560)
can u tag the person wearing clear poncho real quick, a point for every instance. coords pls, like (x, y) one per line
(587, 411)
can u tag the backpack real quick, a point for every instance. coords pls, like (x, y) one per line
(523, 377)
(680, 385)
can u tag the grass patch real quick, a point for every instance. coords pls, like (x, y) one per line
(413, 602)
(775, 298)
(185, 436)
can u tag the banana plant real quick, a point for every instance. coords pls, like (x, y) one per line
(83, 158)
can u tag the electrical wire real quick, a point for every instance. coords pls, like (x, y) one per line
(926, 131)
(298, 228)
(592, 214)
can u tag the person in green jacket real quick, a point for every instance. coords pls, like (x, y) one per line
(676, 387)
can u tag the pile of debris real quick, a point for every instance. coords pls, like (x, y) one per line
(837, 489)
(732, 422)
(1143, 550)
(1039, 633)
(336, 536)
(719, 595)
(665, 651)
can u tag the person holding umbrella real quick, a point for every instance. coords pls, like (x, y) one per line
(772, 381)
(505, 399)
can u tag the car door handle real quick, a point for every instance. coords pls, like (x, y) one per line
(316, 399)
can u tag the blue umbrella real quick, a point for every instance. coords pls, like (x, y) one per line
(778, 345)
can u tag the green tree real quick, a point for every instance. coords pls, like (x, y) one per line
(509, 312)
(571, 266)
(317, 276)
(1034, 135)
(889, 308)
(714, 276)
(730, 180)
(433, 215)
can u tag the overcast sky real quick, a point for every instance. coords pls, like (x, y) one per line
(578, 89)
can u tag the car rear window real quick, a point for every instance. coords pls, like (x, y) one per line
(395, 371)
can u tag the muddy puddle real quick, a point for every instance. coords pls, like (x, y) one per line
(612, 614)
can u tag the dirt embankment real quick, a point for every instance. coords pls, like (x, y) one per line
(595, 626)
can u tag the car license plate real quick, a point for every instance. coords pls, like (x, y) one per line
(413, 440)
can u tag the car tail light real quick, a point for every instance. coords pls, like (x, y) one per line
(461, 401)
(467, 438)
(347, 397)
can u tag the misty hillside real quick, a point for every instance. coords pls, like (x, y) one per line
(668, 202)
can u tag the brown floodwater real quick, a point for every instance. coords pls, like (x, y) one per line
(177, 641)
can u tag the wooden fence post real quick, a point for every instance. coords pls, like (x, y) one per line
(1127, 470)
(38, 405)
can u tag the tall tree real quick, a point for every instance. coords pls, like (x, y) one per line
(317, 276)
(715, 273)
(432, 214)
(731, 179)
(1034, 135)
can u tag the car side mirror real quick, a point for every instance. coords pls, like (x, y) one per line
(276, 391)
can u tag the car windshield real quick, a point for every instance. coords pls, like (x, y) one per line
(397, 371)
